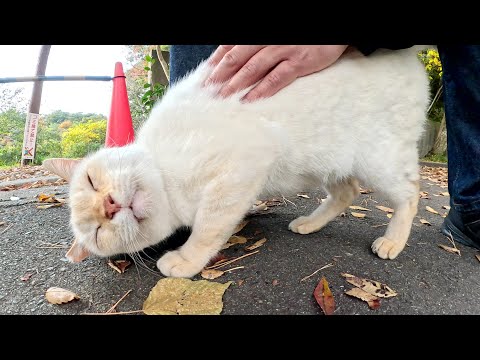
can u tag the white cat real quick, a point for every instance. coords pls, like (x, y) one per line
(201, 161)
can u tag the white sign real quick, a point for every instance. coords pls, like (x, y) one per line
(30, 136)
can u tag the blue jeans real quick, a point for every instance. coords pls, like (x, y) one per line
(461, 79)
(185, 58)
(461, 83)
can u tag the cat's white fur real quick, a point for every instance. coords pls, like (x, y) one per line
(201, 161)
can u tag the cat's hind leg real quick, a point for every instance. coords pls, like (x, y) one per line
(340, 195)
(404, 198)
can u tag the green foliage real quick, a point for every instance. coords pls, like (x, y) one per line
(11, 97)
(441, 158)
(12, 123)
(48, 141)
(83, 138)
(153, 92)
(60, 116)
(431, 60)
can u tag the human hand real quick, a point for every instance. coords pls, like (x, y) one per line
(275, 66)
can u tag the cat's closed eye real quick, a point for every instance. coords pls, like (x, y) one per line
(96, 234)
(90, 181)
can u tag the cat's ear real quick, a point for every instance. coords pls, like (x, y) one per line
(77, 252)
(61, 166)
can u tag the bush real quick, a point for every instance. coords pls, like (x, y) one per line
(84, 138)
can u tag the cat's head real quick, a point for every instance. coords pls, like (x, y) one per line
(115, 199)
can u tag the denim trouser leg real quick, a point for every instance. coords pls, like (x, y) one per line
(184, 58)
(461, 81)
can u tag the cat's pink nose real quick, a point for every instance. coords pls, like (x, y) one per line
(111, 207)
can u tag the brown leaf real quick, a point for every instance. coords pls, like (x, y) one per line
(324, 297)
(49, 206)
(477, 256)
(257, 244)
(384, 208)
(423, 195)
(172, 296)
(446, 207)
(365, 191)
(49, 198)
(425, 222)
(240, 226)
(355, 207)
(240, 282)
(220, 257)
(211, 273)
(26, 277)
(56, 295)
(431, 210)
(235, 239)
(372, 301)
(370, 286)
(260, 207)
(450, 249)
(303, 196)
(445, 193)
(358, 215)
(119, 265)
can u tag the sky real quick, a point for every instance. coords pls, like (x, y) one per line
(68, 96)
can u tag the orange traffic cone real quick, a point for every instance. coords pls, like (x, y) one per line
(119, 127)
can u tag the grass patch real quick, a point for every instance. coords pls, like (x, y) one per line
(436, 158)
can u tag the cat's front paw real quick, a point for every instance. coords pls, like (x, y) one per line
(303, 225)
(386, 248)
(172, 264)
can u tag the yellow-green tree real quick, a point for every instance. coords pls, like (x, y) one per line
(84, 138)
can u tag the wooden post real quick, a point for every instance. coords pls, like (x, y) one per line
(158, 75)
(34, 107)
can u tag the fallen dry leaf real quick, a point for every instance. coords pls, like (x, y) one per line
(240, 282)
(445, 193)
(429, 209)
(477, 256)
(384, 208)
(26, 277)
(389, 215)
(257, 244)
(180, 296)
(370, 286)
(324, 297)
(355, 207)
(450, 249)
(220, 257)
(423, 195)
(425, 222)
(365, 191)
(259, 207)
(2, 223)
(56, 295)
(372, 301)
(119, 265)
(358, 215)
(303, 196)
(235, 239)
(240, 226)
(446, 207)
(49, 206)
(211, 273)
(227, 262)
